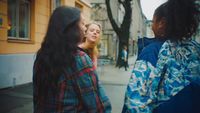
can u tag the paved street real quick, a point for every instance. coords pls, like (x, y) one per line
(116, 95)
(19, 99)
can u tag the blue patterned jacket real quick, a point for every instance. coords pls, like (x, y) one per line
(160, 73)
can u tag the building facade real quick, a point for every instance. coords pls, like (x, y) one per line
(23, 25)
(138, 26)
(106, 47)
(149, 31)
(109, 41)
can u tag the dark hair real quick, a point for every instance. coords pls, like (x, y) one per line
(59, 44)
(181, 16)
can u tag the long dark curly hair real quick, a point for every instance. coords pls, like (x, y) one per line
(181, 16)
(56, 52)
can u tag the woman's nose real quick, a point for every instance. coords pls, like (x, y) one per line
(95, 32)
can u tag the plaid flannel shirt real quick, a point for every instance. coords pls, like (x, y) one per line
(81, 93)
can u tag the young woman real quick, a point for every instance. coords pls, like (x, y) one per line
(90, 41)
(64, 80)
(166, 76)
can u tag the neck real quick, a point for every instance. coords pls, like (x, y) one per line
(88, 45)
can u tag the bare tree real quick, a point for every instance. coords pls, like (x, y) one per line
(122, 31)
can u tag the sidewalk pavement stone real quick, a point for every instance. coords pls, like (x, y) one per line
(109, 74)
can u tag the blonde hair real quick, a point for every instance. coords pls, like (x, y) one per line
(88, 25)
(92, 50)
(96, 23)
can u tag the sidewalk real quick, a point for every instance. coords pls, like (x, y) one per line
(16, 100)
(109, 74)
(19, 99)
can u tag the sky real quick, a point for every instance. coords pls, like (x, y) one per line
(148, 7)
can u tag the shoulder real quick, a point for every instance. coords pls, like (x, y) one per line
(150, 52)
(155, 45)
(182, 55)
(193, 47)
(82, 60)
(183, 48)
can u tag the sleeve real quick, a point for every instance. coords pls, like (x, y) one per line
(137, 98)
(92, 93)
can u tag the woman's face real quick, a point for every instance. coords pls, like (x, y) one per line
(155, 25)
(158, 26)
(92, 33)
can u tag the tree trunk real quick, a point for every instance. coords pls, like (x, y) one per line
(122, 31)
(122, 42)
(119, 60)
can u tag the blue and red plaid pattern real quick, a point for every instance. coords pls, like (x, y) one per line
(67, 100)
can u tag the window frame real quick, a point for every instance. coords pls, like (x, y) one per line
(79, 6)
(53, 5)
(17, 12)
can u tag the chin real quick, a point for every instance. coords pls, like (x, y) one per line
(92, 41)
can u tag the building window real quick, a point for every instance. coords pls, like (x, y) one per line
(55, 4)
(19, 19)
(77, 5)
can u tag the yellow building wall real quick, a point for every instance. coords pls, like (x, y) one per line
(40, 10)
(86, 10)
(40, 13)
(42, 19)
(69, 2)
(3, 16)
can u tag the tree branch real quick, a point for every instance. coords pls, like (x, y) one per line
(120, 1)
(127, 5)
(128, 13)
(123, 3)
(112, 21)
